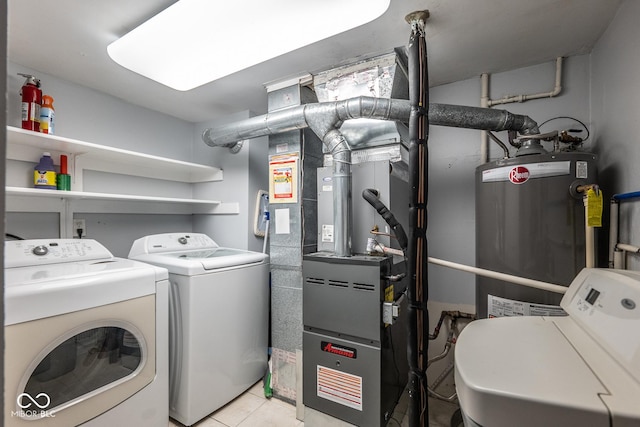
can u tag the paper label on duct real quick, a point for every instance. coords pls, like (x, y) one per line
(503, 307)
(339, 387)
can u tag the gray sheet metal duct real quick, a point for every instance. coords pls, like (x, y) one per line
(325, 119)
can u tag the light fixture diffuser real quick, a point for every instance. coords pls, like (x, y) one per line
(194, 42)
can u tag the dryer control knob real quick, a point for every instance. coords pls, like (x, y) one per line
(40, 250)
(183, 240)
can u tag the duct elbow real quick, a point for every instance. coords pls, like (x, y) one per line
(209, 139)
(206, 137)
(529, 127)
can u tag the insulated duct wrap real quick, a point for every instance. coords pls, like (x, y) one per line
(325, 119)
(323, 116)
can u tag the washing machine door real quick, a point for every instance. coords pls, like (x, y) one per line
(73, 367)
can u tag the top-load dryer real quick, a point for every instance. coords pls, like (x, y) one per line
(219, 319)
(577, 370)
(86, 337)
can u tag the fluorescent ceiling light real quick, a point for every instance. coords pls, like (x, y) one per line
(194, 42)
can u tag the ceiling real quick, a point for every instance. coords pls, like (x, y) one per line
(465, 38)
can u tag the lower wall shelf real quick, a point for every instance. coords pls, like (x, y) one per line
(27, 196)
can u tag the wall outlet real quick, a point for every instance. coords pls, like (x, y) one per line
(79, 228)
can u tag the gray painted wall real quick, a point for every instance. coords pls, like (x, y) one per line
(244, 174)
(91, 116)
(615, 109)
(455, 153)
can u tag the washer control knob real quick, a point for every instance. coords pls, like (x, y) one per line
(182, 240)
(40, 250)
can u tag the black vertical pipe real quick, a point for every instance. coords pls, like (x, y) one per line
(417, 292)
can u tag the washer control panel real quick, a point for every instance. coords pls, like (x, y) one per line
(606, 304)
(171, 242)
(24, 253)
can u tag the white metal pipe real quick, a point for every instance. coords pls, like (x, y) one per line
(589, 239)
(552, 287)
(613, 230)
(619, 259)
(628, 248)
(522, 98)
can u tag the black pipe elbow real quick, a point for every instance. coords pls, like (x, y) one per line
(371, 196)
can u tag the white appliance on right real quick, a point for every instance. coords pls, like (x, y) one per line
(218, 319)
(577, 370)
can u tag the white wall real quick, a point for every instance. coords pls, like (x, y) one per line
(455, 153)
(615, 109)
(91, 116)
(244, 174)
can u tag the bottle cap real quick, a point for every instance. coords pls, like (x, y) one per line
(47, 154)
(47, 100)
(63, 164)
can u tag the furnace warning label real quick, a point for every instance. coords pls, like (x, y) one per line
(503, 307)
(339, 387)
(327, 233)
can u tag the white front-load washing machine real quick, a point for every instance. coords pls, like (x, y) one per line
(219, 319)
(219, 315)
(86, 337)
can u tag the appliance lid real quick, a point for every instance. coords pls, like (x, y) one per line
(219, 257)
(191, 263)
(523, 371)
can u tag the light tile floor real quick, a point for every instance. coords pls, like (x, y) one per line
(252, 409)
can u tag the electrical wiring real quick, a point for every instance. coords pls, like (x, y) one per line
(569, 118)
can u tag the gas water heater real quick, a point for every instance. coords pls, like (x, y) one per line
(530, 222)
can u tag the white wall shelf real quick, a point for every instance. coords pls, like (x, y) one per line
(82, 202)
(78, 195)
(27, 146)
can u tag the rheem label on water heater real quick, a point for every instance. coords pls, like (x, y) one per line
(519, 174)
